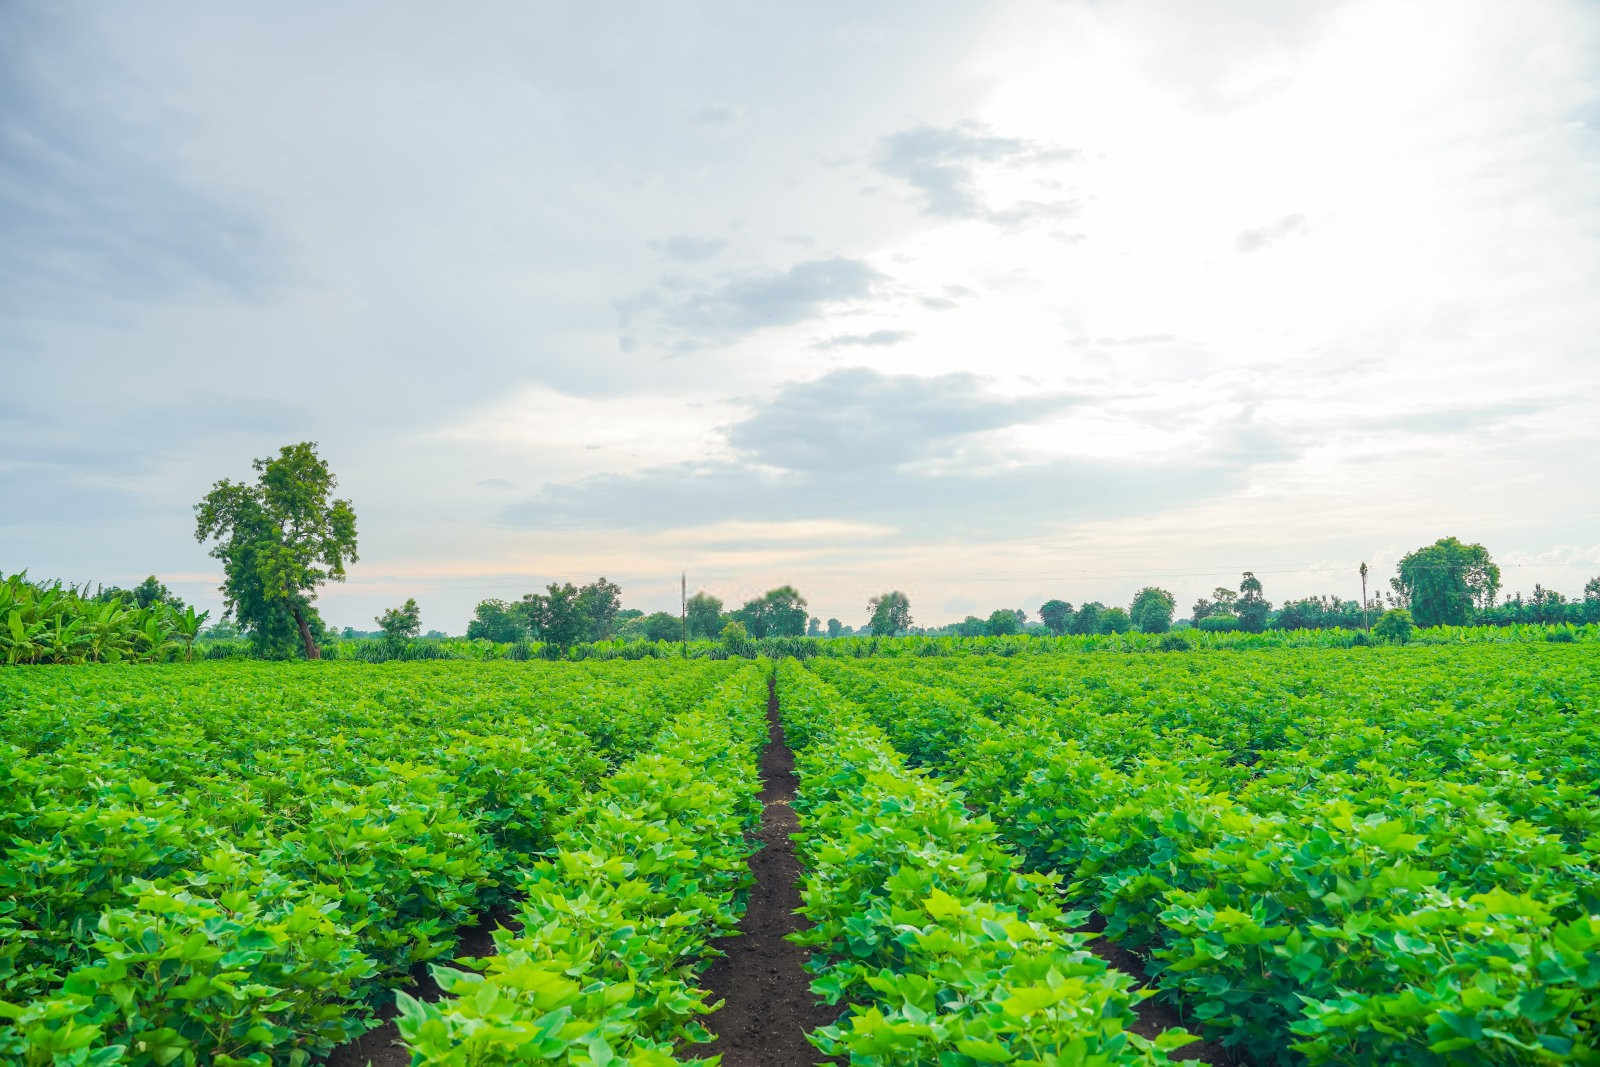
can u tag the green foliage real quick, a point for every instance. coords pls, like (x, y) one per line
(779, 612)
(1152, 610)
(495, 620)
(56, 624)
(1384, 858)
(1395, 625)
(1056, 615)
(278, 540)
(1444, 582)
(1115, 621)
(705, 616)
(1003, 621)
(889, 614)
(735, 639)
(945, 951)
(401, 624)
(253, 901)
(663, 626)
(1087, 618)
(645, 874)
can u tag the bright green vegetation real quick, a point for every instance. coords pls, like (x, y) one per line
(944, 950)
(234, 863)
(1380, 857)
(646, 872)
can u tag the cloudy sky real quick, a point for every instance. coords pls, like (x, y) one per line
(988, 302)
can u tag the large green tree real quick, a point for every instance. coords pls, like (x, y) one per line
(279, 539)
(705, 616)
(402, 623)
(598, 604)
(1004, 622)
(1252, 607)
(495, 620)
(1056, 615)
(1152, 610)
(1443, 583)
(889, 613)
(779, 612)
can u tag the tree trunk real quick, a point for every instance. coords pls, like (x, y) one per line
(312, 651)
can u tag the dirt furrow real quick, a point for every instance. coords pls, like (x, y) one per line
(768, 1003)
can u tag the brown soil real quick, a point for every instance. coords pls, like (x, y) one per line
(379, 1047)
(768, 1006)
(1156, 1015)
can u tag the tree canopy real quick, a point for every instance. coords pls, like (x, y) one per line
(779, 612)
(705, 616)
(889, 614)
(1444, 582)
(1152, 610)
(402, 623)
(1056, 615)
(278, 540)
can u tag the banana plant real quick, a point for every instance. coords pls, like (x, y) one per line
(186, 624)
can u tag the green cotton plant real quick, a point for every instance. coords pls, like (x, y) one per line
(945, 950)
(644, 875)
(1346, 859)
(238, 967)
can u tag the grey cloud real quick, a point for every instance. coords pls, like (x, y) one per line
(1457, 419)
(716, 115)
(1253, 240)
(939, 163)
(496, 483)
(93, 202)
(875, 339)
(857, 418)
(976, 505)
(745, 304)
(687, 249)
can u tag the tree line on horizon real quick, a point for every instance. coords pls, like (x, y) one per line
(284, 535)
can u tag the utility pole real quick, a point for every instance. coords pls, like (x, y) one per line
(683, 611)
(1365, 623)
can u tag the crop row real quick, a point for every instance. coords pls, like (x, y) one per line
(945, 951)
(234, 864)
(1303, 900)
(613, 924)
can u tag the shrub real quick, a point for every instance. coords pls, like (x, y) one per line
(1174, 643)
(1395, 625)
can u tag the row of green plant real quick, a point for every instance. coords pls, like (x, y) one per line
(944, 949)
(55, 623)
(735, 643)
(1319, 859)
(615, 922)
(237, 863)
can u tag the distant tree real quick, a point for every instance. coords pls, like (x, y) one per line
(1547, 606)
(779, 612)
(1251, 607)
(889, 614)
(662, 626)
(278, 541)
(402, 623)
(705, 616)
(814, 627)
(1087, 620)
(495, 620)
(834, 627)
(1443, 583)
(1394, 625)
(1152, 610)
(1003, 622)
(735, 638)
(148, 592)
(556, 617)
(598, 604)
(1056, 615)
(1115, 621)
(1591, 600)
(1218, 621)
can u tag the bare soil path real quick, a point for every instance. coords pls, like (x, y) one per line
(378, 1046)
(768, 1003)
